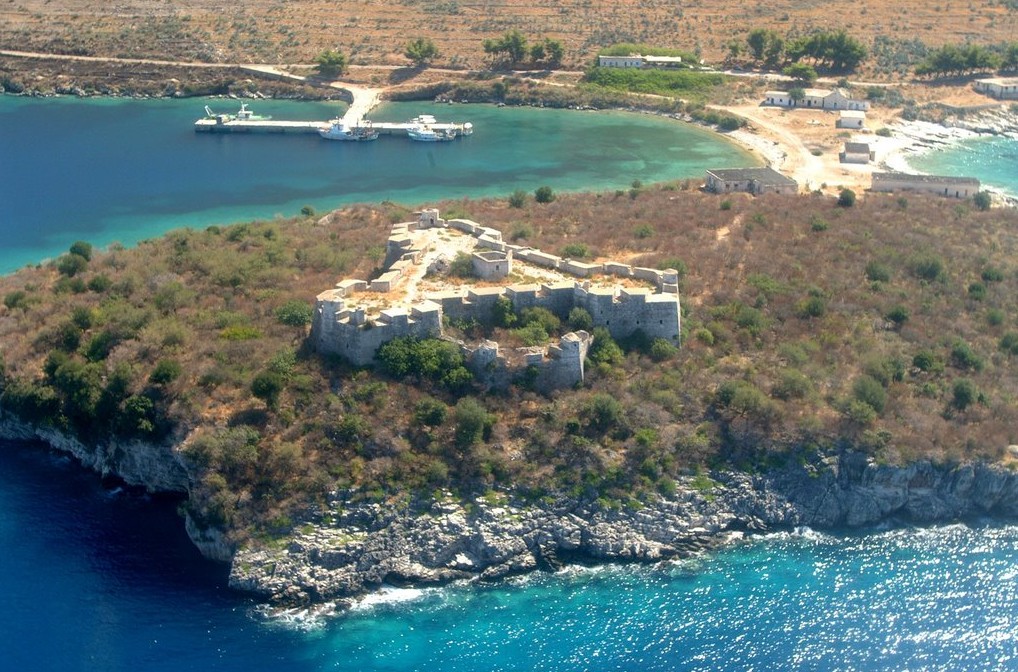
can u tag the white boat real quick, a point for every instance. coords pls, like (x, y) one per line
(337, 130)
(424, 133)
(243, 114)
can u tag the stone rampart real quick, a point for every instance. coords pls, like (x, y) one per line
(342, 327)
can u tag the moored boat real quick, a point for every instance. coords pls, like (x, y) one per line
(337, 130)
(427, 134)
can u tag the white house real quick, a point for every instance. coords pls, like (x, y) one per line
(998, 87)
(856, 152)
(631, 61)
(954, 187)
(816, 99)
(851, 119)
(639, 61)
(755, 181)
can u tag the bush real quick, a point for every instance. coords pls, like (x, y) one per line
(603, 412)
(472, 422)
(580, 319)
(926, 266)
(661, 350)
(643, 231)
(869, 391)
(982, 200)
(544, 195)
(100, 283)
(462, 266)
(813, 306)
(1009, 343)
(165, 372)
(963, 394)
(898, 314)
(16, 299)
(575, 251)
(502, 313)
(604, 349)
(992, 274)
(430, 412)
(928, 361)
(846, 198)
(726, 204)
(267, 386)
(295, 313)
(995, 317)
(963, 357)
(82, 249)
(72, 264)
(878, 272)
(517, 199)
(793, 384)
(542, 317)
(977, 291)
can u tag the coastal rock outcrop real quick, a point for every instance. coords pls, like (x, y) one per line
(366, 545)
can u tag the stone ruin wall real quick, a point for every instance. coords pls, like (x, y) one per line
(342, 328)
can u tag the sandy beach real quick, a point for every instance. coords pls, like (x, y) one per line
(805, 144)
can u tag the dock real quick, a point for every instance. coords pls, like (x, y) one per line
(223, 124)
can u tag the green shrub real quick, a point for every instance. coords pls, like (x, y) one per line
(462, 266)
(878, 272)
(982, 200)
(473, 422)
(295, 313)
(71, 264)
(995, 317)
(16, 299)
(240, 332)
(531, 335)
(928, 361)
(726, 204)
(99, 283)
(643, 231)
(603, 412)
(430, 412)
(82, 249)
(517, 199)
(963, 357)
(846, 198)
(267, 386)
(869, 391)
(992, 274)
(604, 349)
(542, 317)
(898, 314)
(544, 195)
(792, 384)
(810, 307)
(575, 251)
(963, 394)
(1009, 343)
(165, 372)
(977, 291)
(502, 313)
(926, 266)
(522, 230)
(580, 319)
(661, 350)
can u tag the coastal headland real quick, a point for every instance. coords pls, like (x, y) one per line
(839, 363)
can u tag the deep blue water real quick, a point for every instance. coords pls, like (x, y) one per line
(109, 170)
(101, 579)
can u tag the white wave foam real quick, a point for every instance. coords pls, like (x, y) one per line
(388, 595)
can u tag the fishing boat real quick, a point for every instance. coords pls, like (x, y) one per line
(337, 130)
(243, 114)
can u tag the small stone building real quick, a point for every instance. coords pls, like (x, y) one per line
(856, 152)
(492, 264)
(855, 119)
(943, 185)
(1004, 88)
(754, 181)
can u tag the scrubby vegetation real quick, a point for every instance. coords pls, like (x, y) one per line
(797, 340)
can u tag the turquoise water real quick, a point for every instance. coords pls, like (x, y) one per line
(124, 170)
(993, 160)
(100, 579)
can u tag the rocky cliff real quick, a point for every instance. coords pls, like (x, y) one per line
(364, 545)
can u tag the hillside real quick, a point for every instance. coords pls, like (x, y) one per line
(376, 32)
(888, 327)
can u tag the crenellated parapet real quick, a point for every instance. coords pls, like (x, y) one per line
(356, 317)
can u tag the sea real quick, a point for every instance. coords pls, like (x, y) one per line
(992, 159)
(122, 170)
(96, 576)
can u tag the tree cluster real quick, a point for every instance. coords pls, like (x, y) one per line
(952, 59)
(835, 51)
(512, 49)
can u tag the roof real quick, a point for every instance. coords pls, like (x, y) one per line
(765, 176)
(852, 114)
(999, 81)
(775, 93)
(857, 148)
(819, 93)
(925, 179)
(663, 59)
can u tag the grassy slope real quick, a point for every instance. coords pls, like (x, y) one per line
(374, 31)
(759, 379)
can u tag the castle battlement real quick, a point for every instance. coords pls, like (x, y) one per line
(354, 320)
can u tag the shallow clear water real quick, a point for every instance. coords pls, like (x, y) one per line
(123, 170)
(993, 160)
(101, 579)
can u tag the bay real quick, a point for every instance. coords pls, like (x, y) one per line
(106, 170)
(994, 160)
(97, 578)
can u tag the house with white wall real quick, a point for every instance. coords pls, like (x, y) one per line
(816, 99)
(1004, 88)
(943, 185)
(855, 119)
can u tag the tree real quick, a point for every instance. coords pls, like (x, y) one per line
(165, 372)
(517, 199)
(963, 394)
(554, 52)
(72, 264)
(757, 42)
(331, 63)
(544, 195)
(421, 51)
(472, 422)
(82, 249)
(806, 74)
(983, 200)
(295, 313)
(511, 47)
(846, 198)
(267, 386)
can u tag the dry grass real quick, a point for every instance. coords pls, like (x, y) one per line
(373, 31)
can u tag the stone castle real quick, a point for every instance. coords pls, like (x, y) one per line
(356, 317)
